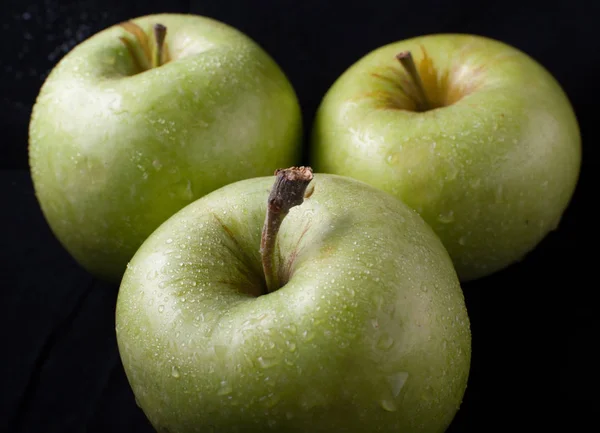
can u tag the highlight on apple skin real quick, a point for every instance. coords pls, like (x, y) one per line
(145, 117)
(474, 134)
(367, 330)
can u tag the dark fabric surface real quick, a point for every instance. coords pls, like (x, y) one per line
(532, 324)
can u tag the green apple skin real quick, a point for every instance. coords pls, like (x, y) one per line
(369, 333)
(491, 169)
(113, 152)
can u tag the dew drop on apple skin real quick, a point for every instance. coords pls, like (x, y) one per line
(385, 342)
(308, 335)
(446, 217)
(388, 405)
(266, 362)
(270, 400)
(175, 372)
(157, 164)
(343, 344)
(392, 158)
(291, 346)
(225, 388)
(452, 173)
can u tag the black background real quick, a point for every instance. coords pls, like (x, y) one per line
(532, 324)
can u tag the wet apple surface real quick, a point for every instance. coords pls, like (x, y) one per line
(490, 159)
(367, 332)
(122, 137)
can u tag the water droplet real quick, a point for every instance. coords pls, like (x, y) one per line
(397, 382)
(452, 172)
(175, 372)
(152, 275)
(392, 158)
(446, 217)
(462, 240)
(308, 335)
(168, 241)
(475, 183)
(270, 400)
(385, 342)
(424, 287)
(289, 415)
(185, 190)
(225, 388)
(388, 405)
(157, 164)
(161, 308)
(267, 362)
(291, 345)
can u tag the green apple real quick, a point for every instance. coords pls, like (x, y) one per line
(131, 126)
(472, 133)
(348, 318)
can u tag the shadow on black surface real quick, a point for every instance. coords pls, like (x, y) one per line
(59, 327)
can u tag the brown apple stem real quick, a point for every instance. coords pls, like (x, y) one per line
(160, 32)
(287, 192)
(138, 48)
(407, 61)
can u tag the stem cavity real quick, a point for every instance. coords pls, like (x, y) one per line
(408, 63)
(287, 191)
(146, 51)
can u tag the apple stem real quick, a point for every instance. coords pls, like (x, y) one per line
(287, 191)
(407, 61)
(160, 32)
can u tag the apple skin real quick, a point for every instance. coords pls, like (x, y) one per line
(113, 153)
(491, 169)
(369, 332)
